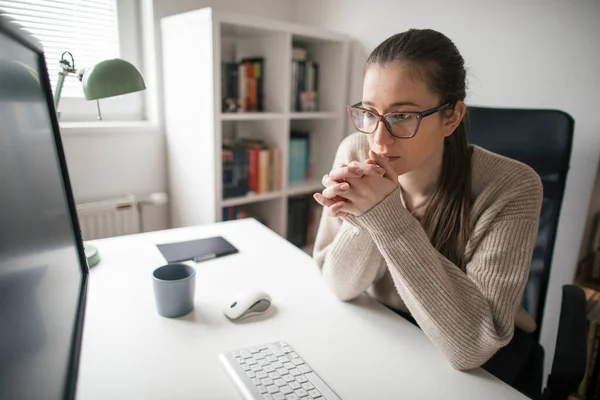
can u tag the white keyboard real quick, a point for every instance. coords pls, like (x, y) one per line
(274, 371)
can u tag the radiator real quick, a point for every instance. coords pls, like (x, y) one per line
(106, 218)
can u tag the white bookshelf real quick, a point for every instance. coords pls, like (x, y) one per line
(194, 46)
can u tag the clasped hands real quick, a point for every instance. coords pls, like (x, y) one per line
(357, 187)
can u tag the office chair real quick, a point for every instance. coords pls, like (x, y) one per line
(541, 139)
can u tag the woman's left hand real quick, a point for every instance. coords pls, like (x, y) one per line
(368, 191)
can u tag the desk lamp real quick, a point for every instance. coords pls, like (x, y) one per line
(108, 78)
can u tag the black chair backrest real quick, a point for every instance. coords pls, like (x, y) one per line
(541, 139)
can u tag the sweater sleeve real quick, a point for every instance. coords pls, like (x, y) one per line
(344, 251)
(467, 315)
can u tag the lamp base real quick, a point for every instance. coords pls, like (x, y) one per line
(91, 254)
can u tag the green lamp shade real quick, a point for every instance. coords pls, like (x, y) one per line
(111, 78)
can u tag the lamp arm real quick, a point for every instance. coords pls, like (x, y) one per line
(66, 68)
(58, 90)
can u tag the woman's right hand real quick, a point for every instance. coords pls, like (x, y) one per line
(332, 197)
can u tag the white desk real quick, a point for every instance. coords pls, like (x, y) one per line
(361, 349)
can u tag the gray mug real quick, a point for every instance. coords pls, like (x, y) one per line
(174, 287)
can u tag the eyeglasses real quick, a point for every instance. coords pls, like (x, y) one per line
(403, 125)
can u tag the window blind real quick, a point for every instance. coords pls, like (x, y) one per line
(86, 28)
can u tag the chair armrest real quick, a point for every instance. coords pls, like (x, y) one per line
(570, 356)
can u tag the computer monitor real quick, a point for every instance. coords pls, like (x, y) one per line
(43, 270)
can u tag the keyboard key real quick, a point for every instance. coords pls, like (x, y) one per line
(246, 367)
(256, 381)
(235, 354)
(283, 371)
(280, 382)
(284, 359)
(251, 361)
(256, 368)
(272, 389)
(279, 396)
(286, 389)
(267, 381)
(282, 344)
(259, 356)
(245, 354)
(254, 350)
(298, 361)
(276, 351)
(272, 358)
(314, 394)
(301, 379)
(262, 389)
(295, 372)
(304, 369)
(277, 364)
(294, 355)
(289, 365)
(287, 349)
(308, 386)
(301, 393)
(292, 396)
(268, 369)
(263, 362)
(262, 347)
(266, 352)
(288, 378)
(268, 396)
(274, 375)
(251, 374)
(261, 374)
(295, 385)
(239, 360)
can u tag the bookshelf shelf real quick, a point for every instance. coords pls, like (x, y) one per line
(251, 198)
(314, 115)
(248, 62)
(298, 188)
(251, 116)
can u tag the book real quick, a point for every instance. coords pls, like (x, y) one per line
(299, 159)
(250, 166)
(242, 85)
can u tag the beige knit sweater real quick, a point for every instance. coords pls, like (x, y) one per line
(386, 252)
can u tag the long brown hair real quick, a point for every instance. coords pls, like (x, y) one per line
(441, 66)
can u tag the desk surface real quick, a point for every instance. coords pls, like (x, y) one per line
(360, 348)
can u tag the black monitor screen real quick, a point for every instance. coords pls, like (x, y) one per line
(42, 267)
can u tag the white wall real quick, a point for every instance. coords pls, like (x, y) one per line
(113, 161)
(535, 53)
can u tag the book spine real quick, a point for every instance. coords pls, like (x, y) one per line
(300, 83)
(242, 88)
(264, 171)
(252, 90)
(224, 214)
(260, 70)
(254, 165)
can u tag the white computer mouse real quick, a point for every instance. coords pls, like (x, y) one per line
(246, 304)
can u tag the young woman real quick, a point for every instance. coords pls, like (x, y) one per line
(432, 227)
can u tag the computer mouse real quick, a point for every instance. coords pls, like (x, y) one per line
(246, 304)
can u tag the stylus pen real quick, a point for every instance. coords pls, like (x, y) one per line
(204, 257)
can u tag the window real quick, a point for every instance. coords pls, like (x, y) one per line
(92, 30)
(86, 28)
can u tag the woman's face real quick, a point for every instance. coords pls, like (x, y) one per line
(395, 88)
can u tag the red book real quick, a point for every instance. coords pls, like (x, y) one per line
(254, 169)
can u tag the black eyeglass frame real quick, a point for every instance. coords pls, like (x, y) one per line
(419, 115)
